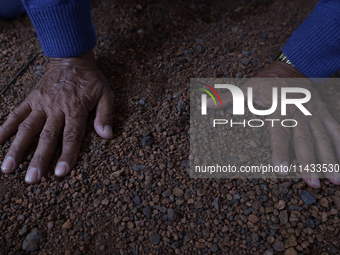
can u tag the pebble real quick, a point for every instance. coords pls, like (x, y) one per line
(281, 205)
(253, 218)
(23, 230)
(137, 200)
(234, 29)
(141, 102)
(310, 223)
(172, 214)
(178, 192)
(217, 203)
(283, 216)
(324, 202)
(199, 49)
(245, 61)
(180, 106)
(154, 239)
(67, 225)
(33, 240)
(136, 167)
(214, 248)
(245, 53)
(295, 208)
(254, 237)
(290, 251)
(264, 35)
(147, 211)
(148, 141)
(291, 241)
(278, 246)
(307, 197)
(177, 95)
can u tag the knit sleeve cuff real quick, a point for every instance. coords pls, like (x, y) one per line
(64, 28)
(314, 48)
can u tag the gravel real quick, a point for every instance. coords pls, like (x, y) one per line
(33, 240)
(307, 197)
(126, 193)
(155, 239)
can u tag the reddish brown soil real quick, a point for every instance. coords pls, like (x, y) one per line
(151, 49)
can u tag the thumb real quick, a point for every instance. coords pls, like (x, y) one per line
(104, 115)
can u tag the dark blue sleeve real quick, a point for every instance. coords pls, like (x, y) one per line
(314, 48)
(64, 27)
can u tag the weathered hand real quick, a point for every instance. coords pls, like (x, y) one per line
(58, 107)
(314, 135)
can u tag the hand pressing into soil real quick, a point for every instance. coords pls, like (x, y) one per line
(58, 107)
(314, 135)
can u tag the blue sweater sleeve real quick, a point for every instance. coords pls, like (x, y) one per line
(64, 27)
(314, 48)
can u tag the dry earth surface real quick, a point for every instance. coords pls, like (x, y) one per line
(132, 194)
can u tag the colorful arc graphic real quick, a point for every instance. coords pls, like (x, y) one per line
(208, 86)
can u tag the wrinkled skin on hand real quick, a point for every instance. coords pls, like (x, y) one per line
(58, 108)
(313, 137)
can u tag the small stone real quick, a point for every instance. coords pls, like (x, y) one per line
(291, 241)
(201, 192)
(177, 95)
(217, 203)
(23, 230)
(180, 106)
(172, 214)
(148, 141)
(278, 246)
(283, 216)
(214, 248)
(33, 240)
(290, 251)
(50, 224)
(239, 75)
(253, 218)
(310, 223)
(166, 193)
(255, 237)
(264, 35)
(234, 29)
(281, 205)
(141, 102)
(336, 201)
(319, 237)
(154, 239)
(147, 212)
(324, 202)
(137, 200)
(178, 192)
(245, 61)
(67, 225)
(295, 208)
(245, 53)
(199, 49)
(307, 197)
(248, 211)
(136, 167)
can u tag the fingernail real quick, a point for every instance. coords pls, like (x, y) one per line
(32, 175)
(314, 179)
(7, 164)
(108, 130)
(61, 169)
